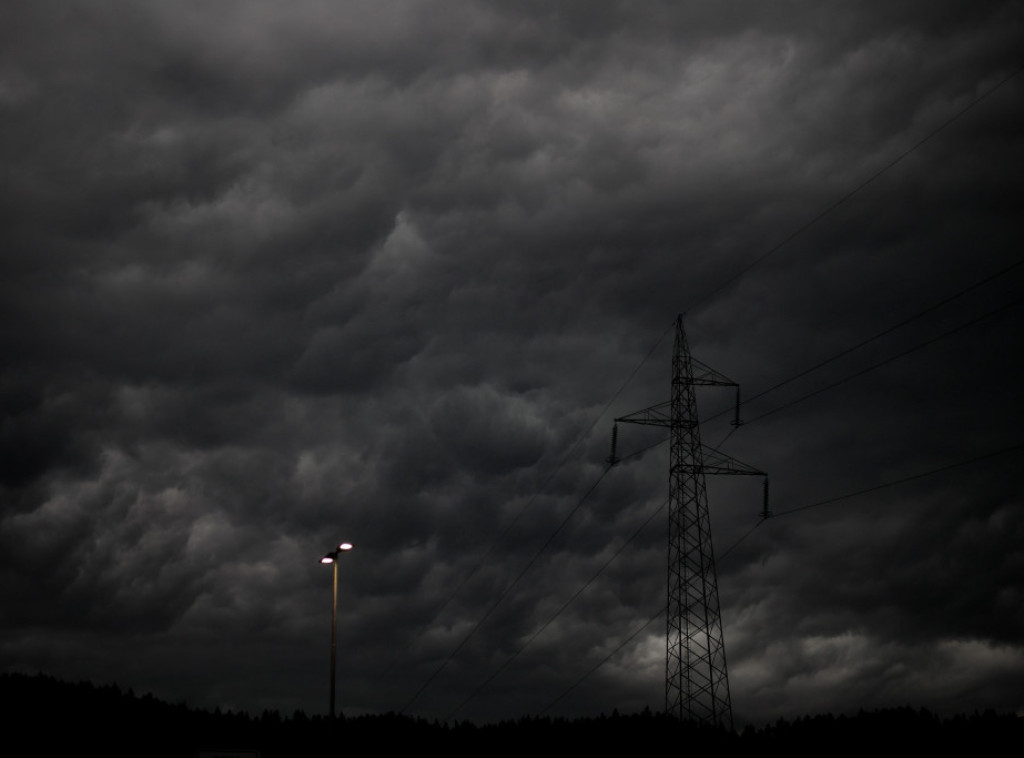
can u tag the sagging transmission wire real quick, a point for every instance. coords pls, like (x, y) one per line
(771, 251)
(855, 375)
(662, 441)
(828, 501)
(540, 630)
(509, 527)
(800, 230)
(863, 185)
(903, 354)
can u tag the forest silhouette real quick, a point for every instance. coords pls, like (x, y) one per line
(44, 714)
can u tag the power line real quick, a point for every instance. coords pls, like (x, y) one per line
(736, 544)
(862, 372)
(903, 480)
(919, 346)
(821, 214)
(599, 664)
(735, 277)
(846, 351)
(651, 620)
(732, 547)
(747, 534)
(888, 330)
(509, 527)
(561, 610)
(750, 531)
(522, 573)
(874, 488)
(814, 220)
(583, 588)
(820, 503)
(505, 593)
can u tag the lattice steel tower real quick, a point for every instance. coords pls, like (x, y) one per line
(696, 678)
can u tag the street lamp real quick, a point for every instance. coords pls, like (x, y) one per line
(332, 557)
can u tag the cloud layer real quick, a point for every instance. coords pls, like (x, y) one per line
(274, 277)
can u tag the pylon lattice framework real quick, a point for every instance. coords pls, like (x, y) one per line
(696, 676)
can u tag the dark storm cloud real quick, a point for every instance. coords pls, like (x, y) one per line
(273, 277)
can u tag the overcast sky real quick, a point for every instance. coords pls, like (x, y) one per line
(280, 274)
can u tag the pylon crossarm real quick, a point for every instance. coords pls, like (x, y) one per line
(656, 415)
(706, 376)
(717, 462)
(661, 414)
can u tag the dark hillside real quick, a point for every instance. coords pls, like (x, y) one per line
(45, 714)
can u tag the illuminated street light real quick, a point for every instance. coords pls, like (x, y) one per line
(332, 557)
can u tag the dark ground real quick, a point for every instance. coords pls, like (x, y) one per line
(46, 715)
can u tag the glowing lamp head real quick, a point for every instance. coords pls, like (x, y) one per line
(345, 546)
(327, 559)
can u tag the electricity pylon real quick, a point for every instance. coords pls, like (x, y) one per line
(696, 678)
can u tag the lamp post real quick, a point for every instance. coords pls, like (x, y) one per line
(332, 558)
